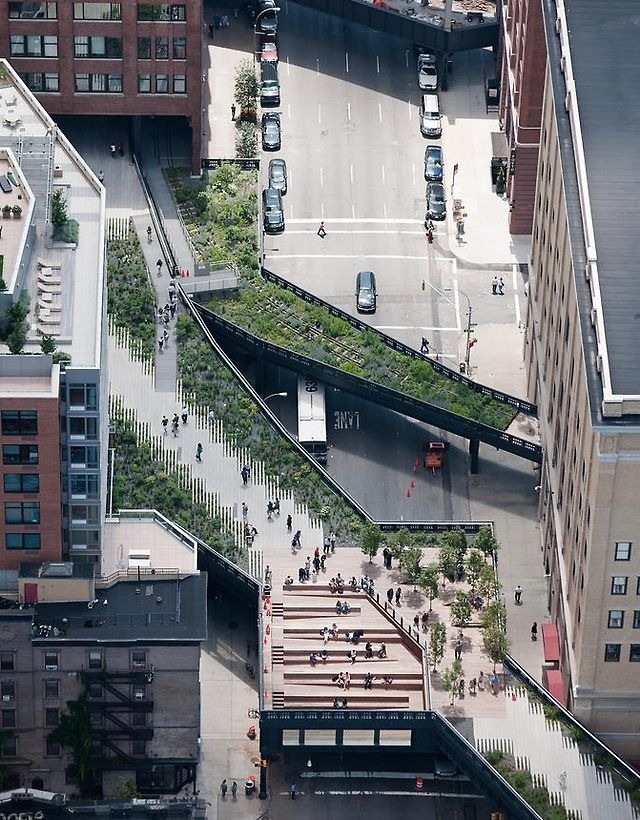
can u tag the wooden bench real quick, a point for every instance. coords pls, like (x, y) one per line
(48, 264)
(49, 288)
(50, 319)
(49, 305)
(49, 330)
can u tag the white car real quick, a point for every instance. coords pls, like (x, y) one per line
(427, 72)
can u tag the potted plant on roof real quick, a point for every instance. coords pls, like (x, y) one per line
(6, 211)
(16, 211)
(500, 181)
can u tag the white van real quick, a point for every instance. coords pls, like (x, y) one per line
(430, 124)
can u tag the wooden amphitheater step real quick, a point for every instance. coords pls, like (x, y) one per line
(363, 700)
(277, 609)
(277, 654)
(277, 701)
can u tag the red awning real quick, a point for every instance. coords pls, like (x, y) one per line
(550, 643)
(555, 685)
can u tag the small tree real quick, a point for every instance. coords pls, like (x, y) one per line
(246, 86)
(495, 645)
(457, 541)
(485, 541)
(494, 616)
(370, 540)
(48, 344)
(246, 140)
(473, 567)
(127, 789)
(59, 214)
(487, 584)
(437, 643)
(410, 564)
(447, 562)
(429, 582)
(451, 678)
(461, 610)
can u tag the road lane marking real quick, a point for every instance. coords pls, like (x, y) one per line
(410, 110)
(345, 256)
(383, 178)
(319, 114)
(372, 220)
(406, 58)
(353, 210)
(351, 173)
(317, 65)
(321, 177)
(347, 60)
(380, 111)
(516, 298)
(417, 327)
(349, 112)
(378, 63)
(384, 209)
(413, 173)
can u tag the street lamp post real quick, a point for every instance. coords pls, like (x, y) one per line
(468, 329)
(255, 27)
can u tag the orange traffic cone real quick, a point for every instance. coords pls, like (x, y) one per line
(408, 493)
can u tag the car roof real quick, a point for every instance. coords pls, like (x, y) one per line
(430, 150)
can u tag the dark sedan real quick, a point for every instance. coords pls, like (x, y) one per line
(278, 175)
(271, 140)
(436, 202)
(433, 163)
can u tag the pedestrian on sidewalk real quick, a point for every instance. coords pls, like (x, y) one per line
(165, 336)
(244, 472)
(430, 236)
(458, 650)
(425, 621)
(233, 112)
(174, 428)
(494, 286)
(321, 231)
(424, 347)
(199, 452)
(245, 511)
(326, 545)
(149, 235)
(269, 509)
(332, 540)
(289, 523)
(165, 422)
(211, 31)
(276, 506)
(296, 539)
(534, 631)
(159, 267)
(398, 596)
(101, 177)
(160, 343)
(390, 595)
(185, 415)
(113, 150)
(517, 594)
(223, 788)
(234, 790)
(501, 287)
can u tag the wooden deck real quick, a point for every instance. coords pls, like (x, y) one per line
(298, 615)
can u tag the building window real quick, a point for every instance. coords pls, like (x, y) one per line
(83, 397)
(22, 541)
(162, 83)
(19, 423)
(138, 748)
(616, 619)
(37, 81)
(139, 660)
(81, 426)
(97, 46)
(612, 652)
(22, 512)
(162, 12)
(31, 45)
(8, 690)
(85, 514)
(52, 689)
(81, 456)
(179, 83)
(19, 453)
(51, 717)
(138, 719)
(623, 551)
(51, 661)
(179, 48)
(97, 11)
(634, 652)
(95, 690)
(144, 83)
(139, 691)
(619, 585)
(8, 718)
(84, 486)
(144, 48)
(7, 661)
(9, 747)
(53, 748)
(21, 483)
(636, 619)
(95, 660)
(98, 84)
(162, 48)
(33, 11)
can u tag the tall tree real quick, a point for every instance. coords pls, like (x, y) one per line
(246, 86)
(485, 541)
(451, 678)
(495, 645)
(429, 582)
(437, 643)
(370, 540)
(461, 610)
(74, 731)
(410, 564)
(473, 567)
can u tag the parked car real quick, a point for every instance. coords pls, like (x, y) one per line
(427, 72)
(278, 175)
(433, 163)
(271, 139)
(267, 23)
(272, 211)
(366, 294)
(436, 202)
(430, 121)
(269, 52)
(443, 767)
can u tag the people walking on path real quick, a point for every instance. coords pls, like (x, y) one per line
(501, 287)
(233, 111)
(160, 343)
(149, 235)
(398, 596)
(245, 473)
(245, 511)
(534, 631)
(494, 286)
(159, 266)
(165, 422)
(113, 148)
(223, 788)
(175, 428)
(458, 650)
(234, 790)
(289, 523)
(390, 595)
(424, 346)
(199, 452)
(332, 540)
(517, 594)
(321, 231)
(185, 415)
(296, 539)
